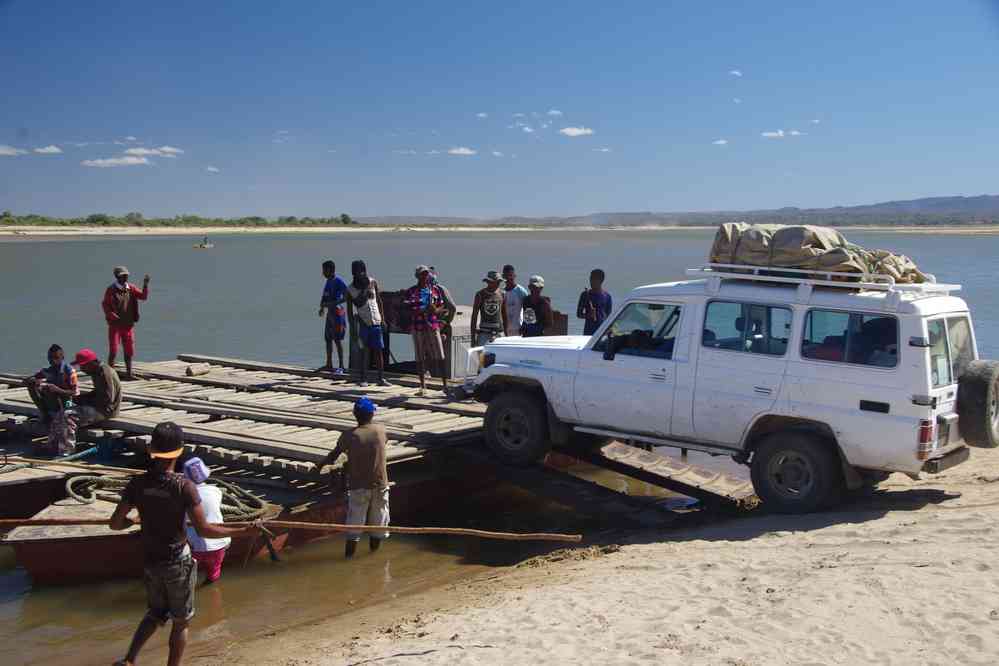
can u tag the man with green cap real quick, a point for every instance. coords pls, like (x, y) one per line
(164, 499)
(367, 475)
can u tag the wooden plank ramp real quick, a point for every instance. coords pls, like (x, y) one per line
(246, 413)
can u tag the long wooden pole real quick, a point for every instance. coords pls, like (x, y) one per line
(325, 527)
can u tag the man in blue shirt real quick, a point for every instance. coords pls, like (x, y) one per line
(595, 304)
(333, 307)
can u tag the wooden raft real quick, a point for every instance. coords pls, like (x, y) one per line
(267, 412)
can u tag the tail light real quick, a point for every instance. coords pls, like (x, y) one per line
(927, 439)
(488, 359)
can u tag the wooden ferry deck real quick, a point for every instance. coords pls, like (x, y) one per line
(274, 415)
(279, 422)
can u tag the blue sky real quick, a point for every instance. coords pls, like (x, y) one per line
(317, 108)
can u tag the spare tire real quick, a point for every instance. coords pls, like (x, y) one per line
(978, 404)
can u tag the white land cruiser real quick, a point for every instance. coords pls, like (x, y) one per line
(817, 381)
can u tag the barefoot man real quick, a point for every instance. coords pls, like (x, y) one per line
(164, 499)
(121, 311)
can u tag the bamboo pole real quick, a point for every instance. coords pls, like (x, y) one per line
(324, 527)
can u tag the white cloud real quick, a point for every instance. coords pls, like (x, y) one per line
(130, 138)
(10, 151)
(575, 131)
(433, 152)
(796, 133)
(736, 73)
(497, 153)
(482, 114)
(331, 150)
(737, 100)
(127, 160)
(816, 121)
(462, 150)
(407, 151)
(162, 151)
(49, 150)
(554, 112)
(545, 125)
(518, 115)
(211, 169)
(528, 129)
(779, 134)
(720, 142)
(601, 150)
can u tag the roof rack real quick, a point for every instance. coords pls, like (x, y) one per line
(808, 279)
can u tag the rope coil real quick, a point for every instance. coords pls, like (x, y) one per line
(237, 503)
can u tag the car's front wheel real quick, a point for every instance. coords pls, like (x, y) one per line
(796, 472)
(517, 427)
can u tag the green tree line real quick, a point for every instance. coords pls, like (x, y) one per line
(8, 218)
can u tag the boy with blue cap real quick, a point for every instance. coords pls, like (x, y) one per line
(367, 476)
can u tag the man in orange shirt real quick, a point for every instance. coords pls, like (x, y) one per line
(121, 310)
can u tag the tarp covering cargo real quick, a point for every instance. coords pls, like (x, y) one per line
(806, 248)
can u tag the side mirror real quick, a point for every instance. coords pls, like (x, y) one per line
(613, 344)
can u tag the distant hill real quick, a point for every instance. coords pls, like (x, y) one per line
(982, 209)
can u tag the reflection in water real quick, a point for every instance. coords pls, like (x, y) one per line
(59, 624)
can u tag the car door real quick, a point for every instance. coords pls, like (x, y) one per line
(626, 378)
(740, 367)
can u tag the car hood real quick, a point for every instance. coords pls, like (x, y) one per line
(568, 342)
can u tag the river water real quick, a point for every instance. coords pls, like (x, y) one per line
(256, 297)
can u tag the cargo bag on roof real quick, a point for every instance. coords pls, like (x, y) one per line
(806, 247)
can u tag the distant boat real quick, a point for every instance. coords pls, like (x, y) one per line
(203, 246)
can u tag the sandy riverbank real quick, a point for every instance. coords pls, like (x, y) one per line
(28, 232)
(904, 576)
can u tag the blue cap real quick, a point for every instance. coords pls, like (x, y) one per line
(365, 406)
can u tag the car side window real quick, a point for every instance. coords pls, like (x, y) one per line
(642, 329)
(747, 327)
(850, 337)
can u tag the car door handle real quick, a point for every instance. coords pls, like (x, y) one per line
(875, 406)
(658, 376)
(762, 390)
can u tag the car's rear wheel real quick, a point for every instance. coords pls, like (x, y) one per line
(796, 472)
(517, 428)
(978, 404)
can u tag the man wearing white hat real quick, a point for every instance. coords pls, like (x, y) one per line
(538, 317)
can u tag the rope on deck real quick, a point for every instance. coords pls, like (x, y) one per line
(13, 467)
(237, 504)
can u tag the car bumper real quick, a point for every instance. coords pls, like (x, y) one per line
(946, 461)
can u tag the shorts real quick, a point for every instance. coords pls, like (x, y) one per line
(210, 563)
(368, 506)
(126, 334)
(428, 346)
(336, 327)
(370, 337)
(483, 338)
(170, 589)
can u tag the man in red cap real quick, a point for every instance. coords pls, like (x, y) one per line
(164, 499)
(103, 401)
(121, 311)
